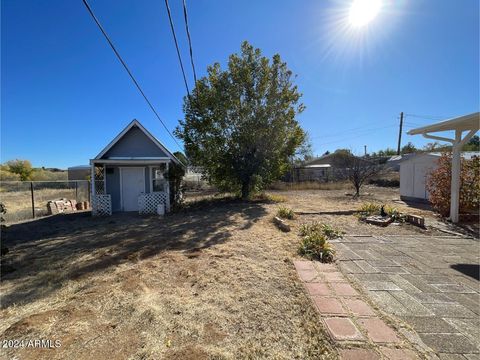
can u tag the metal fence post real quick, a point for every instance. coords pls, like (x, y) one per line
(33, 199)
(76, 191)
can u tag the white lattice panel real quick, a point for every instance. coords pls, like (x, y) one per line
(148, 203)
(101, 205)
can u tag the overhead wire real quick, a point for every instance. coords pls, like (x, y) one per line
(185, 16)
(90, 11)
(176, 46)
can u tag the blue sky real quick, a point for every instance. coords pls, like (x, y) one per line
(65, 95)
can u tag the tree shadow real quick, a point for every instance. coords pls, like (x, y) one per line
(48, 252)
(472, 270)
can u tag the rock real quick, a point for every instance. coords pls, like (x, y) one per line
(282, 225)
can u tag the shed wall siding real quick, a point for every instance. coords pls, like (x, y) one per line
(413, 176)
(134, 144)
(113, 185)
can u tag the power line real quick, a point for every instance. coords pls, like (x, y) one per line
(361, 129)
(127, 69)
(428, 117)
(189, 39)
(363, 133)
(176, 46)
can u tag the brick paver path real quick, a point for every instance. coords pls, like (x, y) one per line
(426, 284)
(359, 331)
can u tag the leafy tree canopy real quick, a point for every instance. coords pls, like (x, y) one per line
(23, 168)
(240, 123)
(408, 148)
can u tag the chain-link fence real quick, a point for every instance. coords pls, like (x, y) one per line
(28, 199)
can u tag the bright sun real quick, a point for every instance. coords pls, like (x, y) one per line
(363, 11)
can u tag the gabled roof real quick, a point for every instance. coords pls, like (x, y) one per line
(467, 155)
(136, 123)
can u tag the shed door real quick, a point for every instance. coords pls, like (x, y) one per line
(133, 184)
(420, 173)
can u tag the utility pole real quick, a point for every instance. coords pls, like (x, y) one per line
(400, 134)
(365, 147)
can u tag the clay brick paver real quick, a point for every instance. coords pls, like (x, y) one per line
(329, 306)
(349, 320)
(315, 288)
(359, 307)
(358, 354)
(304, 265)
(343, 329)
(343, 289)
(323, 267)
(307, 275)
(334, 277)
(378, 331)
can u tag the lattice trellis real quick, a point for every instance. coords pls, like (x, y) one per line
(148, 203)
(99, 179)
(101, 205)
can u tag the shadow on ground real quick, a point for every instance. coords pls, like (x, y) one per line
(472, 270)
(48, 252)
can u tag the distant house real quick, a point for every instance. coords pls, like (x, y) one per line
(81, 172)
(324, 168)
(414, 171)
(129, 174)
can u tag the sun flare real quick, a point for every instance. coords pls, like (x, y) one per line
(363, 11)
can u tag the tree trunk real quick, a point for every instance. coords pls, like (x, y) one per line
(245, 189)
(357, 190)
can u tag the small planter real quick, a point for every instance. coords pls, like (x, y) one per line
(379, 220)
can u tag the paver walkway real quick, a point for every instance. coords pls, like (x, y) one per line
(357, 329)
(428, 284)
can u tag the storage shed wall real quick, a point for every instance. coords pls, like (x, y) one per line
(413, 176)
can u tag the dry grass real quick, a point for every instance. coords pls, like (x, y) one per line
(19, 202)
(215, 281)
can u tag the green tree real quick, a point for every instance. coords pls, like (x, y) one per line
(175, 176)
(240, 123)
(22, 168)
(385, 152)
(408, 148)
(473, 144)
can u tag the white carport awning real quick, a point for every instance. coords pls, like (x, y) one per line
(470, 123)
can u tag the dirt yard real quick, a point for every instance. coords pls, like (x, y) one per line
(214, 281)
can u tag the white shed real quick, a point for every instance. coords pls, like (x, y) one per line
(413, 176)
(459, 125)
(415, 169)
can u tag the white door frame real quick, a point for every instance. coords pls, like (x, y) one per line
(121, 181)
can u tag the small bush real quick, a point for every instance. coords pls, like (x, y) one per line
(368, 209)
(285, 213)
(324, 229)
(316, 247)
(439, 183)
(394, 213)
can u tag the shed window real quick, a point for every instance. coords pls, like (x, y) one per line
(159, 182)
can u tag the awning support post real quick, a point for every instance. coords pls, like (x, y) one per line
(455, 186)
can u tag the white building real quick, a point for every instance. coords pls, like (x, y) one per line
(414, 171)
